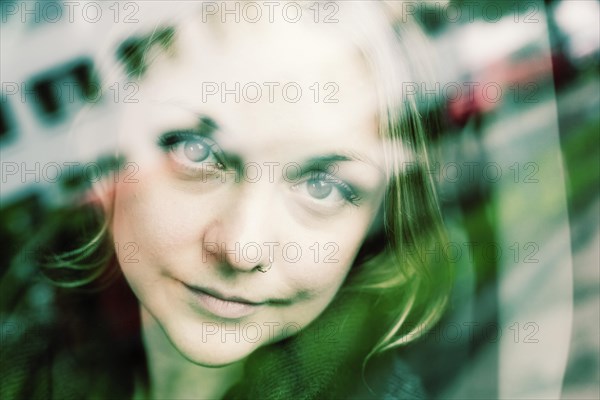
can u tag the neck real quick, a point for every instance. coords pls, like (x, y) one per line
(172, 376)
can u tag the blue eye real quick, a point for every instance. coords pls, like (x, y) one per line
(196, 150)
(190, 150)
(327, 189)
(318, 188)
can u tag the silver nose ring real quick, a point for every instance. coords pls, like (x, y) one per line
(263, 268)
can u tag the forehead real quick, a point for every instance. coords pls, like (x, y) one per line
(276, 83)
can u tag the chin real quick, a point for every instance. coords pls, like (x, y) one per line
(217, 350)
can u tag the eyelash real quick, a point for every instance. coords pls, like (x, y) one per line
(168, 142)
(348, 192)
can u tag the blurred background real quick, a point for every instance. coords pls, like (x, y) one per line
(518, 171)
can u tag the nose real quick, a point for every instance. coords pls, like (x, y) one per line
(240, 235)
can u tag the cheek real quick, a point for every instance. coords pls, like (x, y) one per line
(327, 257)
(154, 218)
(319, 276)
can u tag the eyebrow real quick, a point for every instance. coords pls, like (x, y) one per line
(331, 158)
(207, 128)
(324, 162)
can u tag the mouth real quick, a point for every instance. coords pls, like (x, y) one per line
(222, 306)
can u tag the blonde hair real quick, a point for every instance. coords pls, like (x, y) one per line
(398, 52)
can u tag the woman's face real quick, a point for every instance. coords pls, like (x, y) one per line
(229, 185)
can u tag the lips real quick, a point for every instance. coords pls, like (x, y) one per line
(228, 307)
